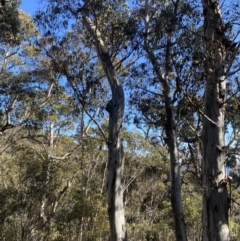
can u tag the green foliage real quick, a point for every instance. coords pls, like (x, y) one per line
(9, 23)
(53, 95)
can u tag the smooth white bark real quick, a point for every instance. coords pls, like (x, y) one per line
(115, 108)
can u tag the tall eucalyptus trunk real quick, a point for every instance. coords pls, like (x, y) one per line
(170, 126)
(171, 141)
(115, 108)
(215, 202)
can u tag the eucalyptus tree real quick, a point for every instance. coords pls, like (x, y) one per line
(170, 126)
(101, 25)
(168, 82)
(115, 108)
(221, 53)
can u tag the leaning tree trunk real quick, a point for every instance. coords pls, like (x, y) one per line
(115, 108)
(215, 202)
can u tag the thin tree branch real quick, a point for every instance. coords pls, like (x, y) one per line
(200, 111)
(64, 156)
(48, 96)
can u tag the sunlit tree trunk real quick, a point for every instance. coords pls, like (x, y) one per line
(215, 203)
(115, 108)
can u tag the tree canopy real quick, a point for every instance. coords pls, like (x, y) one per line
(120, 121)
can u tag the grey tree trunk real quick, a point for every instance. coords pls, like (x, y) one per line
(171, 134)
(115, 108)
(176, 198)
(215, 202)
(170, 127)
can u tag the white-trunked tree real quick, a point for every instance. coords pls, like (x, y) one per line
(115, 108)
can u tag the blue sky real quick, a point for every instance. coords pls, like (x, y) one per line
(30, 6)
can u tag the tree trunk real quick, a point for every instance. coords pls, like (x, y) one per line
(176, 198)
(115, 108)
(215, 202)
(171, 134)
(170, 127)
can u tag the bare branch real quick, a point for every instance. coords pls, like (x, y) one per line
(66, 155)
(133, 178)
(199, 110)
(48, 96)
(237, 48)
